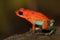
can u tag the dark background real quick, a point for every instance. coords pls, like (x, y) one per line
(11, 24)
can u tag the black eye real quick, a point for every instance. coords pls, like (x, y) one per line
(20, 13)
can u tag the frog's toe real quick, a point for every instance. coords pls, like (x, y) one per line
(51, 32)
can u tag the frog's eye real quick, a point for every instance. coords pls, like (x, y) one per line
(20, 13)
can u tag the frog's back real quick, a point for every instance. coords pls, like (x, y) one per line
(38, 15)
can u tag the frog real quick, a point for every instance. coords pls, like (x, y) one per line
(37, 19)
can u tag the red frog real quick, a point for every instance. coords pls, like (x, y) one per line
(35, 18)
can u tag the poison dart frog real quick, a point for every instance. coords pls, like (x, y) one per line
(37, 19)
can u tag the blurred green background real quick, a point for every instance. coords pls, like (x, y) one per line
(10, 23)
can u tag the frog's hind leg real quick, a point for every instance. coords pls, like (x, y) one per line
(45, 24)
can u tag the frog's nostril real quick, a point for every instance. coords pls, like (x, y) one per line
(20, 13)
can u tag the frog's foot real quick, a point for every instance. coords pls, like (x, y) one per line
(39, 31)
(37, 28)
(50, 32)
(44, 32)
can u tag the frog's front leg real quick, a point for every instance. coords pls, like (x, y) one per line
(33, 26)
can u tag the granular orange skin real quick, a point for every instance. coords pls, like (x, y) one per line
(29, 15)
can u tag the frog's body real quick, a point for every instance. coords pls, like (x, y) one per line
(36, 18)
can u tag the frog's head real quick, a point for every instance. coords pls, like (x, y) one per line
(20, 12)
